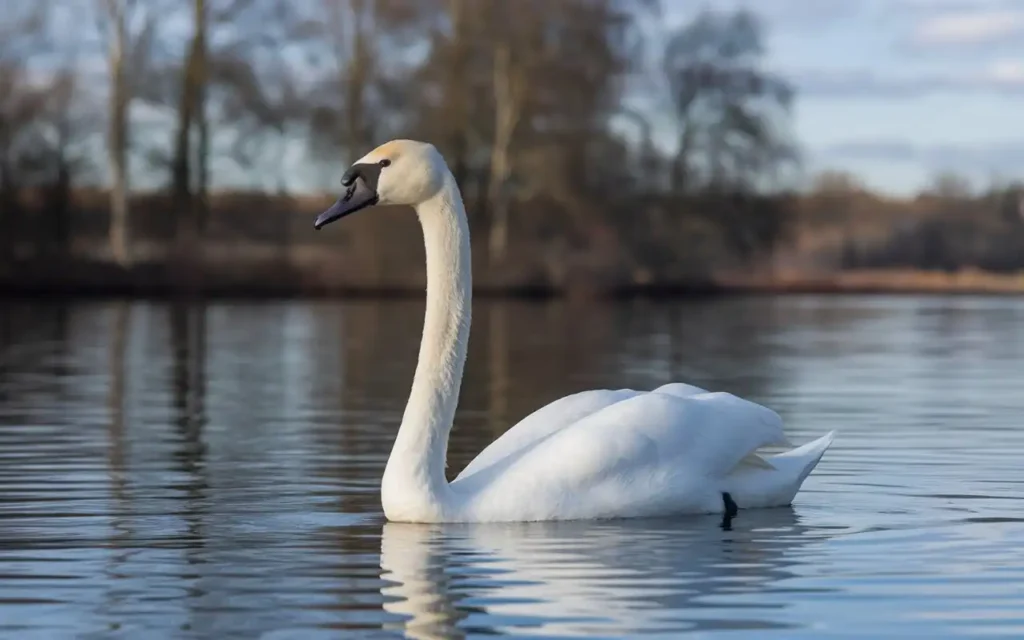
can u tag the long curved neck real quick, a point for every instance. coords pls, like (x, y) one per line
(414, 479)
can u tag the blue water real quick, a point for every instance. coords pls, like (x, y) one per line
(212, 472)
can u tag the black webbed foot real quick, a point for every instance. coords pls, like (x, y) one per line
(731, 509)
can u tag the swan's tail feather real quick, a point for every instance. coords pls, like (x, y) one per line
(776, 482)
(809, 454)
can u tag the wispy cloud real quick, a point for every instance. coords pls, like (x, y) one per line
(1004, 155)
(969, 28)
(789, 14)
(785, 15)
(999, 77)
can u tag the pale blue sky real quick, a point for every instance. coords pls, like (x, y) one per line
(896, 90)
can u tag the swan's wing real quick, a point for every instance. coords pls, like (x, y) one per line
(543, 422)
(631, 457)
(557, 415)
(708, 433)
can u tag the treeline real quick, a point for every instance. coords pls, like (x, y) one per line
(948, 226)
(170, 143)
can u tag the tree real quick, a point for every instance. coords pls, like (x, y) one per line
(358, 46)
(192, 140)
(730, 112)
(21, 103)
(511, 81)
(67, 123)
(947, 185)
(126, 28)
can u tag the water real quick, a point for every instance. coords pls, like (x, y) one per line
(212, 473)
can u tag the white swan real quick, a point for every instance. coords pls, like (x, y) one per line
(596, 454)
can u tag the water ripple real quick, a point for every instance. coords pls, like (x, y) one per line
(212, 472)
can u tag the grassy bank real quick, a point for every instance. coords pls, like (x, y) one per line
(318, 274)
(261, 245)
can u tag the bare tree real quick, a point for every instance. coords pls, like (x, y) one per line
(510, 86)
(127, 29)
(531, 103)
(730, 112)
(190, 190)
(117, 133)
(21, 103)
(358, 45)
(951, 186)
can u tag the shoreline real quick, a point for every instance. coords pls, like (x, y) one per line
(885, 282)
(156, 282)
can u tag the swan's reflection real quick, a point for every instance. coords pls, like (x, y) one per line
(586, 578)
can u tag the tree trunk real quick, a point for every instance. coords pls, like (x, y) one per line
(192, 140)
(180, 169)
(358, 72)
(60, 206)
(118, 136)
(680, 181)
(508, 95)
(457, 89)
(201, 208)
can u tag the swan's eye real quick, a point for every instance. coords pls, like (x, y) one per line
(385, 163)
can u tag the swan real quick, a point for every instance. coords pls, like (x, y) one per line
(598, 454)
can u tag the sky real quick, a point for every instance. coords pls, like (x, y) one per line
(897, 91)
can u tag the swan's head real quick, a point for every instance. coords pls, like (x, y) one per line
(400, 172)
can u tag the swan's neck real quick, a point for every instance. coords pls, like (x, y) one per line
(414, 483)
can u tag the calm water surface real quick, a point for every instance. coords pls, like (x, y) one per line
(174, 472)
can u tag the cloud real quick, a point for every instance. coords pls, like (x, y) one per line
(811, 15)
(1004, 77)
(785, 15)
(1007, 154)
(969, 28)
(799, 14)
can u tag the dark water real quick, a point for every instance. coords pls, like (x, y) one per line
(212, 473)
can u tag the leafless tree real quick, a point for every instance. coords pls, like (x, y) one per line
(731, 113)
(126, 28)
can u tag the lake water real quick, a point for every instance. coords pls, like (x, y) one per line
(190, 472)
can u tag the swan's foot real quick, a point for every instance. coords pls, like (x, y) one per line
(731, 509)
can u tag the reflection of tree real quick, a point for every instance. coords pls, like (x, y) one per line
(123, 533)
(6, 341)
(365, 351)
(116, 454)
(37, 393)
(188, 345)
(34, 338)
(188, 349)
(573, 576)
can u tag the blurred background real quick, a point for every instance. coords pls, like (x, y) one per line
(602, 145)
(181, 455)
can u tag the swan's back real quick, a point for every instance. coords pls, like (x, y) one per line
(628, 453)
(561, 413)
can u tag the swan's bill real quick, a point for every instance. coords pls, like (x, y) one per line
(360, 183)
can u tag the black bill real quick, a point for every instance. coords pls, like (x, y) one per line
(358, 195)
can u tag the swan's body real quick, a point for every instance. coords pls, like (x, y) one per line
(597, 454)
